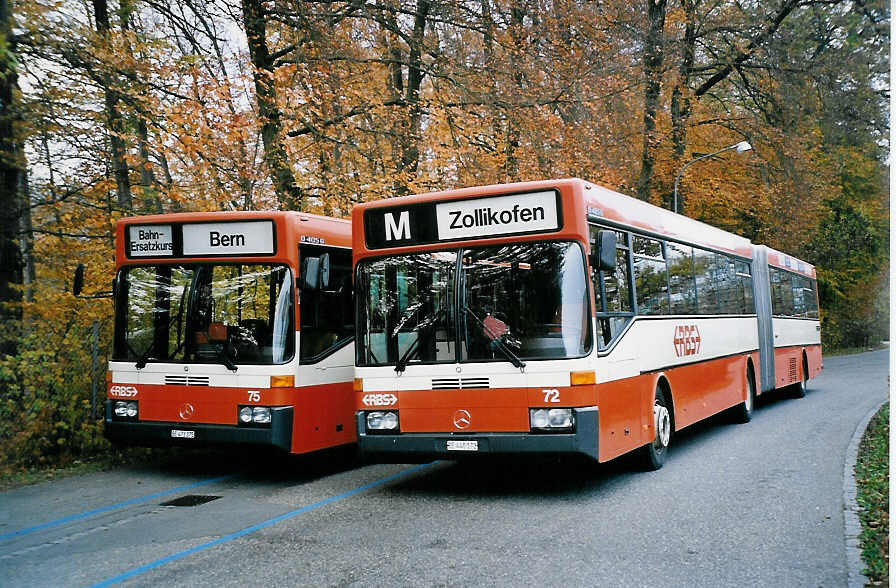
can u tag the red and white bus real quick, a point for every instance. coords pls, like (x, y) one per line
(563, 317)
(233, 328)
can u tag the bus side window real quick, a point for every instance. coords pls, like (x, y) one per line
(811, 299)
(745, 296)
(651, 279)
(705, 275)
(725, 282)
(782, 292)
(682, 289)
(799, 302)
(612, 292)
(327, 315)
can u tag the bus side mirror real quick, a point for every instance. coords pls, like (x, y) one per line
(310, 273)
(324, 271)
(78, 282)
(604, 258)
(603, 254)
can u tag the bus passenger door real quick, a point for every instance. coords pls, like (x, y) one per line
(326, 353)
(620, 400)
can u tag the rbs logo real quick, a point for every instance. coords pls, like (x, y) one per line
(123, 391)
(379, 399)
(686, 340)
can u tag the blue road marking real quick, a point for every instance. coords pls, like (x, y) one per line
(96, 511)
(257, 527)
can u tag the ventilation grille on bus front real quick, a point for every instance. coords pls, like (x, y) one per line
(186, 380)
(794, 374)
(453, 383)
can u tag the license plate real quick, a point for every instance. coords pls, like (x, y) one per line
(463, 446)
(178, 434)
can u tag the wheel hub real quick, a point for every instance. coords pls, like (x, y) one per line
(663, 425)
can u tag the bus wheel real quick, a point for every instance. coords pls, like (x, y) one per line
(798, 390)
(743, 412)
(654, 454)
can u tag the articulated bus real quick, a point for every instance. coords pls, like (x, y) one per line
(233, 328)
(562, 317)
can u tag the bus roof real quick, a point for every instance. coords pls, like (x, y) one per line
(275, 242)
(598, 203)
(613, 206)
(790, 263)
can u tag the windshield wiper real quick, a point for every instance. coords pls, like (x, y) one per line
(141, 360)
(496, 339)
(402, 362)
(222, 355)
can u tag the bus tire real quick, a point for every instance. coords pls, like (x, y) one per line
(653, 455)
(805, 374)
(798, 390)
(743, 412)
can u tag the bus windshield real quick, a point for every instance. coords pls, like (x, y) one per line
(205, 313)
(498, 303)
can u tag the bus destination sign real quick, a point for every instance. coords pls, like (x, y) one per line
(514, 214)
(231, 238)
(150, 241)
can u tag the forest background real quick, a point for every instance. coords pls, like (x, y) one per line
(148, 106)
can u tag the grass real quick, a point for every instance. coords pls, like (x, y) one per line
(872, 477)
(12, 478)
(834, 352)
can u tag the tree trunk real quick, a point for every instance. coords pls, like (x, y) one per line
(512, 146)
(149, 187)
(653, 72)
(151, 201)
(113, 117)
(409, 139)
(26, 238)
(12, 169)
(681, 102)
(290, 195)
(410, 152)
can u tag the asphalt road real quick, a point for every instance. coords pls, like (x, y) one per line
(758, 504)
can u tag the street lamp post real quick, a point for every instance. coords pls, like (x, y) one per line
(741, 147)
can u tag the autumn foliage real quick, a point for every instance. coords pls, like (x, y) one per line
(143, 106)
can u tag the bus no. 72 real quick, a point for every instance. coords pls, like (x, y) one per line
(562, 317)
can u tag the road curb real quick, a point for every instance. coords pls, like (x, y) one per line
(852, 527)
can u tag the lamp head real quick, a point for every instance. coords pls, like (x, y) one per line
(743, 146)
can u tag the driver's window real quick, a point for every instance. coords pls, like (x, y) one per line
(327, 318)
(612, 291)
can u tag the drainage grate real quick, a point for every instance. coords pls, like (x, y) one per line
(190, 500)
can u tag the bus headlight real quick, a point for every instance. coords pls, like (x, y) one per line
(538, 419)
(382, 421)
(125, 409)
(551, 420)
(254, 415)
(560, 418)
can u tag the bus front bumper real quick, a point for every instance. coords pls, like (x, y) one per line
(164, 434)
(413, 447)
